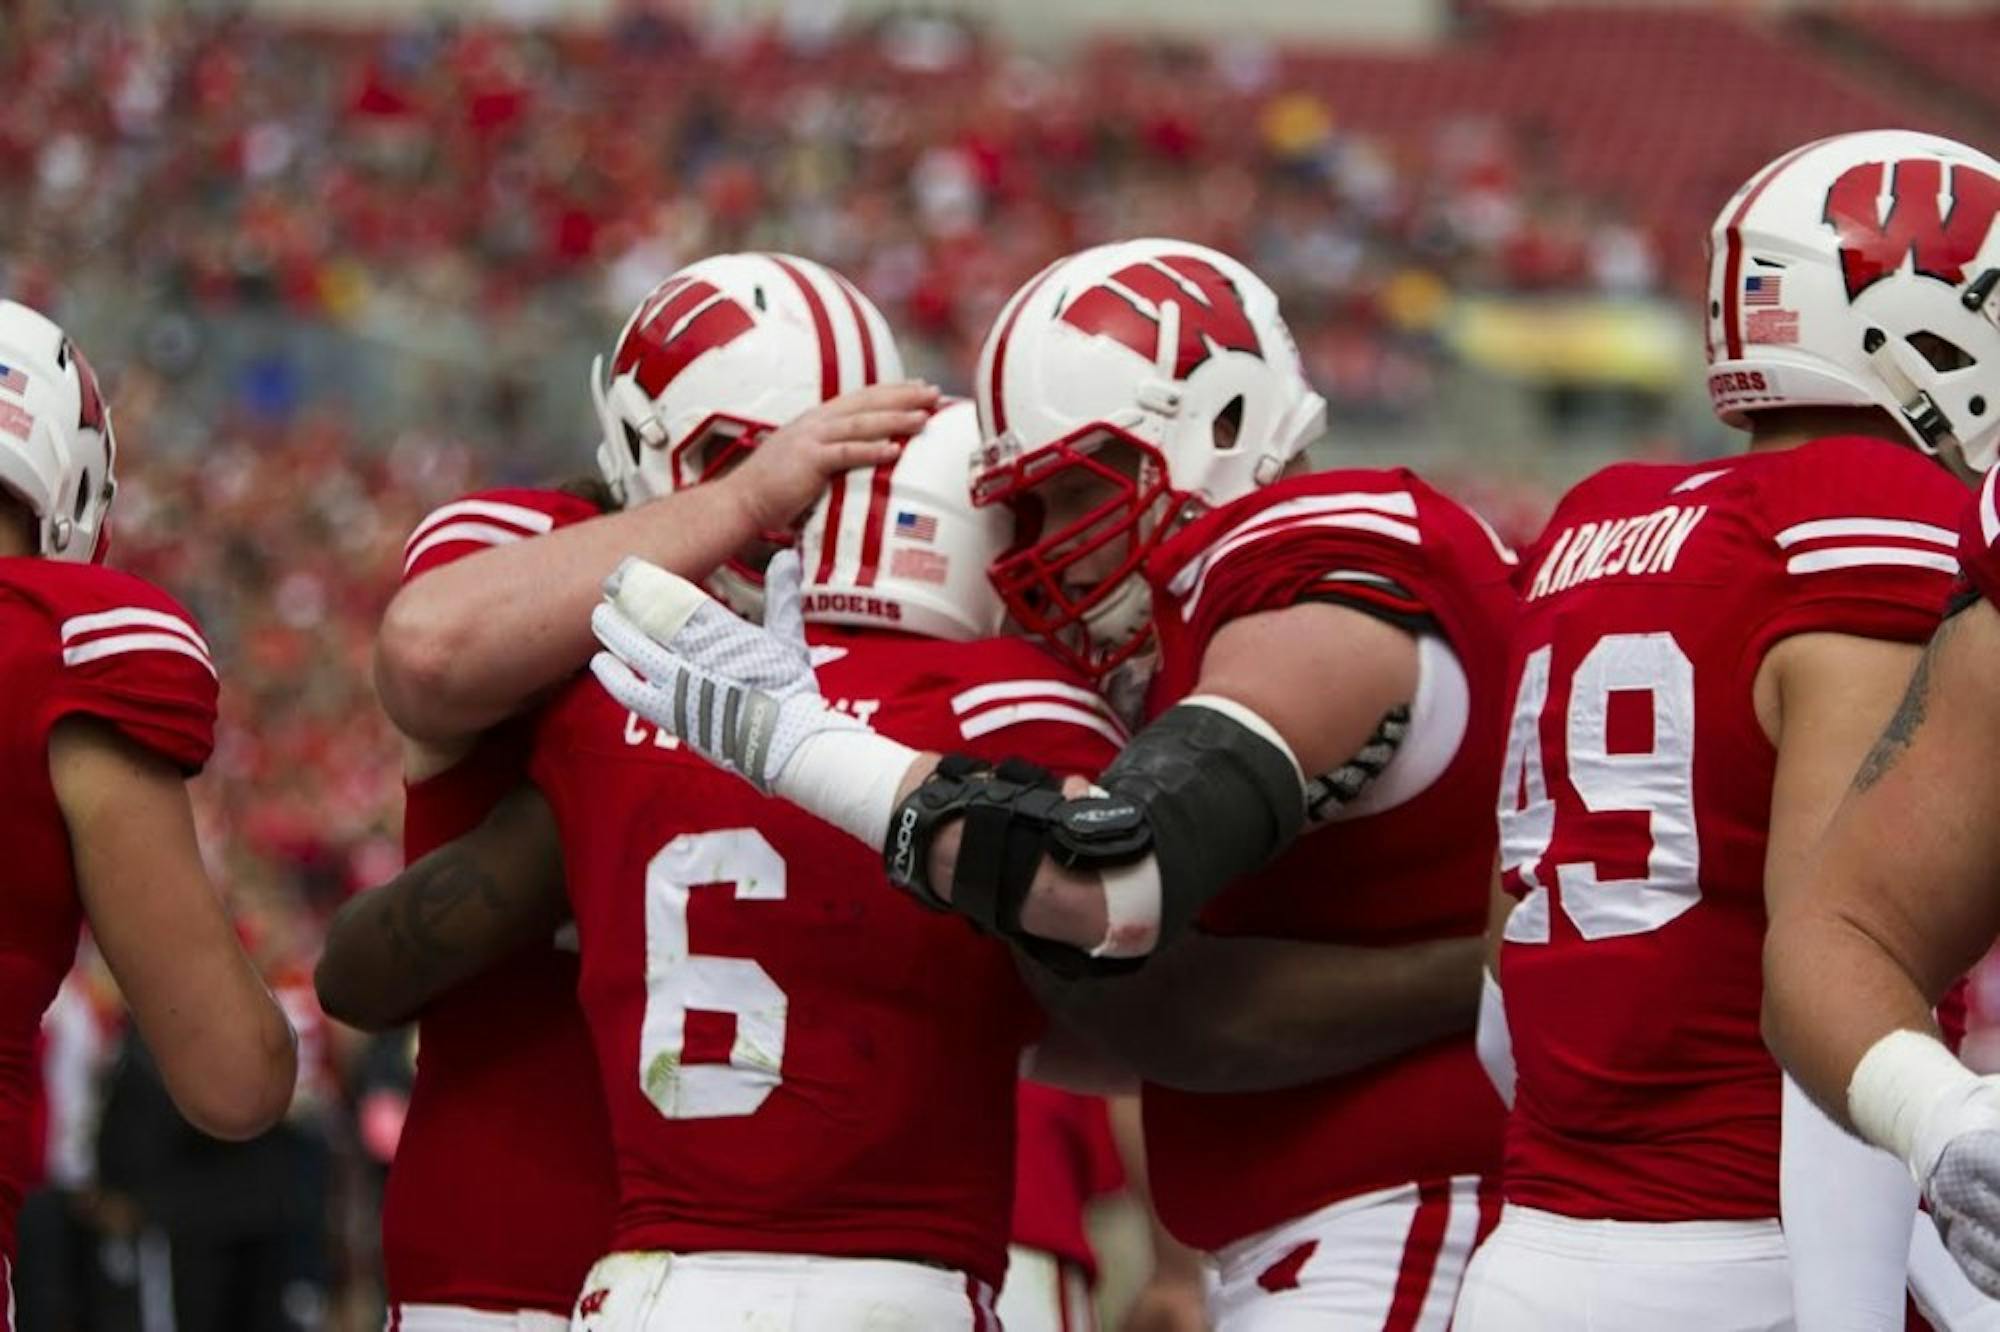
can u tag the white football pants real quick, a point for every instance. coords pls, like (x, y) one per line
(1382, 1262)
(774, 1292)
(1043, 1293)
(1540, 1272)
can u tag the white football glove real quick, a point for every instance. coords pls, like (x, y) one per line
(743, 696)
(1963, 1185)
(1912, 1096)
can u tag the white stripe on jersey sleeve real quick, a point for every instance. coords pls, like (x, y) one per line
(1361, 522)
(1860, 557)
(1398, 503)
(1005, 689)
(1003, 715)
(132, 617)
(531, 522)
(1989, 509)
(117, 645)
(484, 534)
(1903, 528)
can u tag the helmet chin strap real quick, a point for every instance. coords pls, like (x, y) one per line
(1123, 614)
(1919, 409)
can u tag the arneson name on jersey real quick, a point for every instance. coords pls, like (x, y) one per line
(1647, 544)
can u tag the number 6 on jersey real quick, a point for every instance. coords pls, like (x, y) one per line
(678, 981)
(1657, 780)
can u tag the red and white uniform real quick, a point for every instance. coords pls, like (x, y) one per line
(799, 1061)
(1979, 540)
(1634, 809)
(505, 1072)
(76, 640)
(1357, 1199)
(1064, 1156)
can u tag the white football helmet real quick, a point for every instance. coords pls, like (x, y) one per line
(1861, 271)
(56, 446)
(723, 352)
(903, 547)
(1157, 379)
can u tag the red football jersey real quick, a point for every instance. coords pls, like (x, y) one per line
(1065, 1156)
(798, 1058)
(1636, 796)
(505, 1072)
(1418, 870)
(1979, 540)
(75, 640)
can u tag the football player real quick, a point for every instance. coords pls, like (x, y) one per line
(1705, 652)
(1326, 707)
(109, 709)
(1902, 898)
(810, 1080)
(761, 375)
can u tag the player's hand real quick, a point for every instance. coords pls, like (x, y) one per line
(789, 467)
(740, 695)
(1958, 1156)
(1167, 1304)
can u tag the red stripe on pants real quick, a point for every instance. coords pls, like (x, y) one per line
(1420, 1255)
(1490, 1198)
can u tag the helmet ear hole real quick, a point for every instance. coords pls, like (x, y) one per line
(1228, 425)
(83, 493)
(1943, 354)
(632, 441)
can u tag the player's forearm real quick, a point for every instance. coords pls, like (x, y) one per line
(1831, 991)
(457, 911)
(1214, 1014)
(471, 643)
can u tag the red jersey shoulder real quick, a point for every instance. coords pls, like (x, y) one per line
(489, 518)
(1863, 533)
(991, 698)
(121, 650)
(1617, 488)
(1979, 539)
(1375, 537)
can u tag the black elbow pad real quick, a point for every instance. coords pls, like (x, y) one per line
(1219, 798)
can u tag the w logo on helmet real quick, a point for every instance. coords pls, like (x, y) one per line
(90, 413)
(1872, 246)
(1129, 305)
(683, 318)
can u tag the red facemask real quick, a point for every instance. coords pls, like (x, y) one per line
(1125, 513)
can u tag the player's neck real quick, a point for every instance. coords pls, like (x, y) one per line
(1789, 427)
(17, 530)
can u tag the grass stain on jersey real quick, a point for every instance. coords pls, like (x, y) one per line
(663, 1079)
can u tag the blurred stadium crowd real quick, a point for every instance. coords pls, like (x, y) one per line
(342, 275)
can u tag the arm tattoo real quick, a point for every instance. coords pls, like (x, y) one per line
(1910, 713)
(446, 895)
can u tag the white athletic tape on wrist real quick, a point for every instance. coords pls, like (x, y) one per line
(1131, 906)
(848, 778)
(657, 601)
(1902, 1093)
